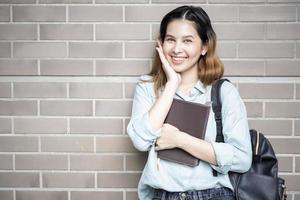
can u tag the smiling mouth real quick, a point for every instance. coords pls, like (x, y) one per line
(178, 60)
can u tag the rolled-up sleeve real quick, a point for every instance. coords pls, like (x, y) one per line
(139, 128)
(235, 154)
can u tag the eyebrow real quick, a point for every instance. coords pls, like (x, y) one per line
(168, 35)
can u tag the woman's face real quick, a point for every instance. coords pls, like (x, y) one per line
(182, 45)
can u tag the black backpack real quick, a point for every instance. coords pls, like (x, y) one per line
(261, 181)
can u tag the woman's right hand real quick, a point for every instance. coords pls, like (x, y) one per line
(172, 76)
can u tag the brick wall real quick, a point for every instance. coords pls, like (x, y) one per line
(68, 70)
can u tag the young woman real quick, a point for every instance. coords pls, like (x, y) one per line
(185, 66)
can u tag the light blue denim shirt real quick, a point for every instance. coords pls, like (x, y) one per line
(233, 155)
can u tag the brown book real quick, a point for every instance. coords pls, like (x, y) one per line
(190, 118)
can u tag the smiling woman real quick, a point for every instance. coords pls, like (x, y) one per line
(187, 38)
(183, 48)
(186, 63)
(180, 48)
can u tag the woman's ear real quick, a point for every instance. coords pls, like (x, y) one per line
(204, 49)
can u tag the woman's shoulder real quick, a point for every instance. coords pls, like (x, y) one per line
(231, 99)
(228, 87)
(145, 77)
(229, 91)
(145, 82)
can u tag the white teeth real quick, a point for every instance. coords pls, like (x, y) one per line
(178, 58)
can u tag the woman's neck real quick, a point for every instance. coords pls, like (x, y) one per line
(188, 80)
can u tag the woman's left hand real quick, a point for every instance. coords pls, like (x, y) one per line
(169, 138)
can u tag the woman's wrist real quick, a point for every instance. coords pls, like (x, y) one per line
(181, 139)
(171, 85)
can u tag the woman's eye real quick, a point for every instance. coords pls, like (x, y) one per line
(169, 39)
(187, 41)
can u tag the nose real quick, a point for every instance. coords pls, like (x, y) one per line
(177, 48)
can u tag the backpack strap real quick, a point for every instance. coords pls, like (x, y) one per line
(217, 109)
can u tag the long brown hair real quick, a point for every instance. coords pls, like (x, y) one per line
(210, 67)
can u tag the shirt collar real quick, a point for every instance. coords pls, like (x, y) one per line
(198, 87)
